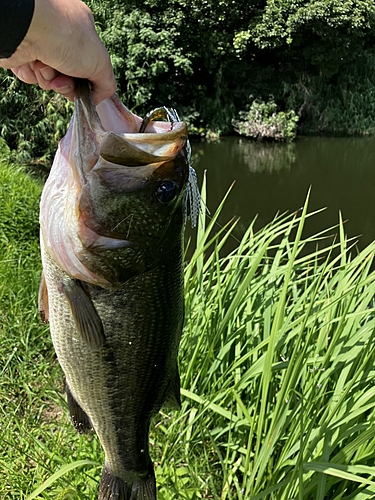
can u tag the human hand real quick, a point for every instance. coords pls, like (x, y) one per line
(61, 44)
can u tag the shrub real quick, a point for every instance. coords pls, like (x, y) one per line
(32, 120)
(263, 121)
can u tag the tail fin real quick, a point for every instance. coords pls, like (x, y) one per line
(114, 488)
(144, 489)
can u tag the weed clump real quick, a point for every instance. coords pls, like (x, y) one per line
(263, 121)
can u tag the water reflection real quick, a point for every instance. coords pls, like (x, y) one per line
(273, 178)
(268, 157)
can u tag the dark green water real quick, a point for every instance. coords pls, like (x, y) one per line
(273, 178)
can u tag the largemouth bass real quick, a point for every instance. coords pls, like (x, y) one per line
(112, 216)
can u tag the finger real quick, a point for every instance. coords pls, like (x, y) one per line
(103, 92)
(44, 74)
(25, 73)
(64, 85)
(48, 74)
(103, 81)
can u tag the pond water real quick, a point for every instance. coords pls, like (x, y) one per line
(273, 178)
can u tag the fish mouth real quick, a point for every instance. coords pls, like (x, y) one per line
(122, 138)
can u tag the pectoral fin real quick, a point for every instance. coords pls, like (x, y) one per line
(43, 300)
(173, 399)
(86, 318)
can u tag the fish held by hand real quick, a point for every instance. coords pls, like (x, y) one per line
(112, 217)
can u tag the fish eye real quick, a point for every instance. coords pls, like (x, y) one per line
(166, 192)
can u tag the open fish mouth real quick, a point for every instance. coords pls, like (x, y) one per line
(122, 138)
(139, 142)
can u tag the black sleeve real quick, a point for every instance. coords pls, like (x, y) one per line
(15, 19)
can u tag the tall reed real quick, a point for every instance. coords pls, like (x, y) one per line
(276, 364)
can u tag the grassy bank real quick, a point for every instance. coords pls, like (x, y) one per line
(276, 365)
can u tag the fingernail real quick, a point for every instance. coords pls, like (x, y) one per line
(20, 74)
(48, 73)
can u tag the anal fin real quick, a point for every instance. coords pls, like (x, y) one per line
(88, 323)
(80, 420)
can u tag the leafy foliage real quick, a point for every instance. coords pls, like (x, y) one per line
(263, 121)
(174, 53)
(311, 35)
(32, 120)
(206, 58)
(343, 104)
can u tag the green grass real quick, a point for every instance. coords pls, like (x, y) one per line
(277, 368)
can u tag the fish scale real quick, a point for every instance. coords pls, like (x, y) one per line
(116, 322)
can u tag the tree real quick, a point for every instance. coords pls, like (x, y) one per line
(210, 59)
